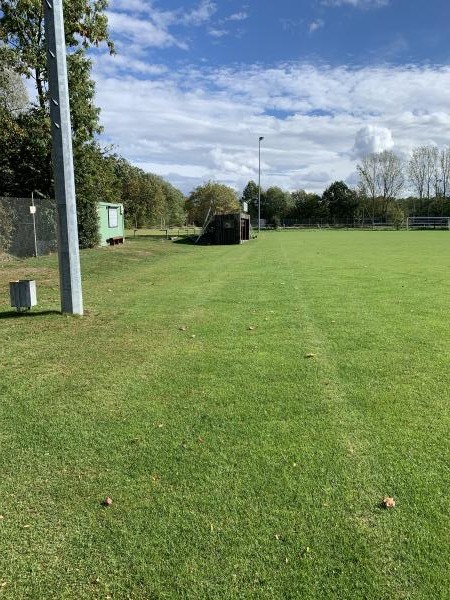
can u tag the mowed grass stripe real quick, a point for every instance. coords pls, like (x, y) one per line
(238, 467)
(396, 410)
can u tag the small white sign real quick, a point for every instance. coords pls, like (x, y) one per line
(32, 210)
(245, 206)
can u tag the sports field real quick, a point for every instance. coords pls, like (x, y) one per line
(246, 408)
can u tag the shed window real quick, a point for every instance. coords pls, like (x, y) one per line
(113, 217)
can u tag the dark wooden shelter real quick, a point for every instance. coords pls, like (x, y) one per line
(232, 228)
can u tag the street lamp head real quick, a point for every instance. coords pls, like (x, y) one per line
(261, 138)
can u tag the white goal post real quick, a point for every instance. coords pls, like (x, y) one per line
(428, 223)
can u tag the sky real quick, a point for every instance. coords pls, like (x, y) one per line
(195, 83)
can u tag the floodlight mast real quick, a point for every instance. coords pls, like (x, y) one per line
(68, 251)
(259, 182)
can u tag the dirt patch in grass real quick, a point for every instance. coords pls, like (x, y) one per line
(43, 275)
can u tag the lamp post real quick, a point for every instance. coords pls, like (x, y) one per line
(259, 182)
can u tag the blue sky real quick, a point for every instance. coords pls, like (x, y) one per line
(196, 82)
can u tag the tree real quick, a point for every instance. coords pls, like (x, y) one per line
(175, 201)
(22, 50)
(392, 179)
(212, 198)
(380, 179)
(417, 170)
(22, 32)
(340, 201)
(13, 95)
(275, 204)
(25, 153)
(369, 179)
(250, 195)
(307, 207)
(444, 165)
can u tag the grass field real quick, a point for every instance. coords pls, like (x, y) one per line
(238, 466)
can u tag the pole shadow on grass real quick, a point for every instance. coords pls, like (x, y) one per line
(14, 314)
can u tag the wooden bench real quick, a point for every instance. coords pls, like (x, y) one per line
(115, 241)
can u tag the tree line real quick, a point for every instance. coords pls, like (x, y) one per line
(25, 133)
(378, 197)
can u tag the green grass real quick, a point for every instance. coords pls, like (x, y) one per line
(238, 467)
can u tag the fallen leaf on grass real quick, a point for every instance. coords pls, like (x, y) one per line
(310, 355)
(107, 501)
(183, 328)
(388, 502)
(250, 328)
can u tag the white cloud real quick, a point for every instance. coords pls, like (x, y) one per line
(142, 33)
(196, 124)
(140, 24)
(357, 3)
(200, 15)
(315, 25)
(217, 33)
(239, 16)
(370, 139)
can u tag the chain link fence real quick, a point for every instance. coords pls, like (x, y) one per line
(27, 226)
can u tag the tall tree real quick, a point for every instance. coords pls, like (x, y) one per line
(22, 49)
(444, 165)
(275, 204)
(381, 178)
(369, 179)
(417, 171)
(22, 34)
(13, 95)
(307, 207)
(212, 198)
(250, 195)
(391, 175)
(341, 201)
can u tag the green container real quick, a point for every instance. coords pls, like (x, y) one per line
(110, 222)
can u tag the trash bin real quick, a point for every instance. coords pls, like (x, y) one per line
(23, 294)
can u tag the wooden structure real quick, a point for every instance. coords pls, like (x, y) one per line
(232, 228)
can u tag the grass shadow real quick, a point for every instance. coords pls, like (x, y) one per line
(14, 314)
(190, 240)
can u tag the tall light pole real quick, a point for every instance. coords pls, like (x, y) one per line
(259, 182)
(68, 253)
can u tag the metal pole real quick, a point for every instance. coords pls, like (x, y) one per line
(34, 224)
(69, 256)
(259, 183)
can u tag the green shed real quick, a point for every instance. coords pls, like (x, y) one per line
(110, 223)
